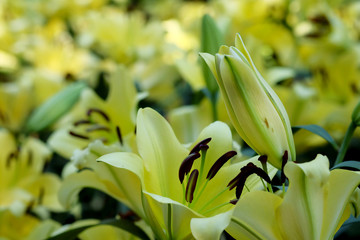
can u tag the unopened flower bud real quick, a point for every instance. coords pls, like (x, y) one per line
(253, 107)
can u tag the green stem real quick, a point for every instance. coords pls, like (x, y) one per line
(197, 195)
(215, 208)
(345, 144)
(183, 188)
(214, 109)
(202, 164)
(270, 187)
(212, 199)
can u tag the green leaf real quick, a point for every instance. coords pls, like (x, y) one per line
(126, 225)
(318, 131)
(211, 40)
(54, 108)
(349, 230)
(350, 165)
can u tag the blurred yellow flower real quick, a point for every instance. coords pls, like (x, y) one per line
(23, 184)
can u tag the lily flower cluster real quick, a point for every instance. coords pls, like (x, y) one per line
(140, 120)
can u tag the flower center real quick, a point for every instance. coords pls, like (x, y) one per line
(97, 125)
(194, 181)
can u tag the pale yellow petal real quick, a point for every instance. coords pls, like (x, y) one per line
(254, 217)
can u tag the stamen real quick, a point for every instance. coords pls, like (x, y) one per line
(99, 111)
(284, 161)
(118, 133)
(263, 159)
(245, 172)
(78, 135)
(2, 117)
(10, 157)
(30, 158)
(190, 187)
(219, 163)
(204, 147)
(186, 165)
(41, 195)
(215, 208)
(98, 128)
(81, 122)
(196, 148)
(234, 201)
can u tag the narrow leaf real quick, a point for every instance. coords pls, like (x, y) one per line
(350, 165)
(54, 108)
(318, 131)
(126, 225)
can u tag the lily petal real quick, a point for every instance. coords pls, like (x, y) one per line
(343, 184)
(162, 154)
(168, 218)
(254, 217)
(210, 228)
(304, 199)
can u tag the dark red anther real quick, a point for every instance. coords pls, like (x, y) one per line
(78, 135)
(263, 159)
(30, 158)
(81, 122)
(197, 148)
(245, 172)
(219, 163)
(204, 147)
(186, 165)
(99, 111)
(285, 158)
(9, 159)
(190, 187)
(118, 133)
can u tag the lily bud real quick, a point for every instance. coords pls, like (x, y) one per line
(253, 107)
(54, 108)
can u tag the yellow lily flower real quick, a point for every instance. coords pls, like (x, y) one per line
(314, 207)
(97, 232)
(253, 107)
(23, 184)
(16, 102)
(16, 227)
(157, 184)
(25, 227)
(97, 119)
